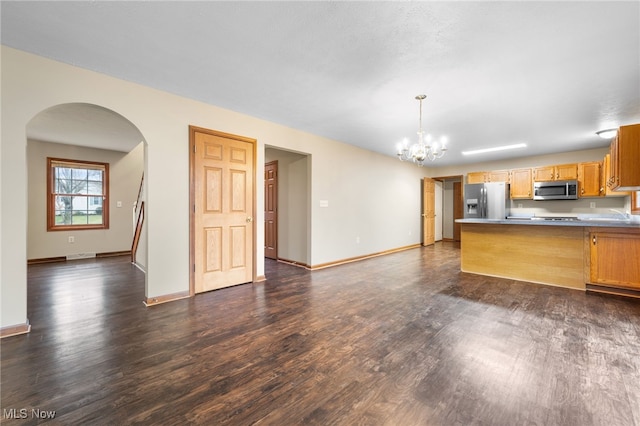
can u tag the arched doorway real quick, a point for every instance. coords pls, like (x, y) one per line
(84, 133)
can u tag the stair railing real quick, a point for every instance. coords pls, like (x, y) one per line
(138, 220)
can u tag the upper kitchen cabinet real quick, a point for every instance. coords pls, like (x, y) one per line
(589, 179)
(625, 159)
(484, 177)
(477, 177)
(543, 173)
(606, 178)
(559, 172)
(499, 176)
(521, 184)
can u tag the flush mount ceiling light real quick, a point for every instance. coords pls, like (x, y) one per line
(607, 134)
(424, 148)
(497, 148)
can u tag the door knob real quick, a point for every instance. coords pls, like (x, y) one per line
(249, 219)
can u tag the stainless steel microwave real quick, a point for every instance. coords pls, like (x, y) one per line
(556, 190)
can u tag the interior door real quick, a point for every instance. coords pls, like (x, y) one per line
(438, 210)
(271, 210)
(428, 211)
(222, 213)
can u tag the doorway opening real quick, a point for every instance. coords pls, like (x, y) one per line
(448, 207)
(87, 133)
(292, 236)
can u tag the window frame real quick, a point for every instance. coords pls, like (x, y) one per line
(52, 163)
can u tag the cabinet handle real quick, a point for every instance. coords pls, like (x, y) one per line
(557, 175)
(594, 240)
(582, 191)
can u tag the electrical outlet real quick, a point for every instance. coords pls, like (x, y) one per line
(72, 240)
(118, 203)
(519, 205)
(592, 204)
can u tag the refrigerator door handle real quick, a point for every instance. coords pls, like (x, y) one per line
(486, 203)
(483, 199)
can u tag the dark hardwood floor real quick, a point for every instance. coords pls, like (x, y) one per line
(402, 339)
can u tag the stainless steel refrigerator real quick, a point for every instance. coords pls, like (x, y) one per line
(486, 200)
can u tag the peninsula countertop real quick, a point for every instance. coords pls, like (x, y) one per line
(567, 251)
(609, 222)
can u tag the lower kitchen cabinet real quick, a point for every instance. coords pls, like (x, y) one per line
(615, 259)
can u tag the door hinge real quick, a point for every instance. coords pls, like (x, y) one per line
(194, 267)
(194, 149)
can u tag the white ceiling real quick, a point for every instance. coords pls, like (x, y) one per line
(545, 73)
(85, 125)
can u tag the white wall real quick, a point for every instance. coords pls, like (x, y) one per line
(370, 196)
(125, 171)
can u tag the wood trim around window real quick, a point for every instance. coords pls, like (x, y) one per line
(51, 226)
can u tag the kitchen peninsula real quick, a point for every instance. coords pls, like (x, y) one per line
(585, 254)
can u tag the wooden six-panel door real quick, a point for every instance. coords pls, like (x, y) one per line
(222, 196)
(271, 210)
(428, 211)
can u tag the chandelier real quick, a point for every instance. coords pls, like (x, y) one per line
(424, 148)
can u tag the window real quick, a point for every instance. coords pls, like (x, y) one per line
(77, 195)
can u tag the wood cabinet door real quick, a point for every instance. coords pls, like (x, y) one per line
(626, 164)
(542, 174)
(589, 179)
(607, 179)
(614, 177)
(615, 259)
(476, 177)
(566, 171)
(521, 184)
(499, 176)
(559, 172)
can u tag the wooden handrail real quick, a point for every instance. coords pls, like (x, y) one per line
(138, 231)
(139, 220)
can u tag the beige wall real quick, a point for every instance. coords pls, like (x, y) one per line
(125, 172)
(523, 162)
(360, 202)
(373, 200)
